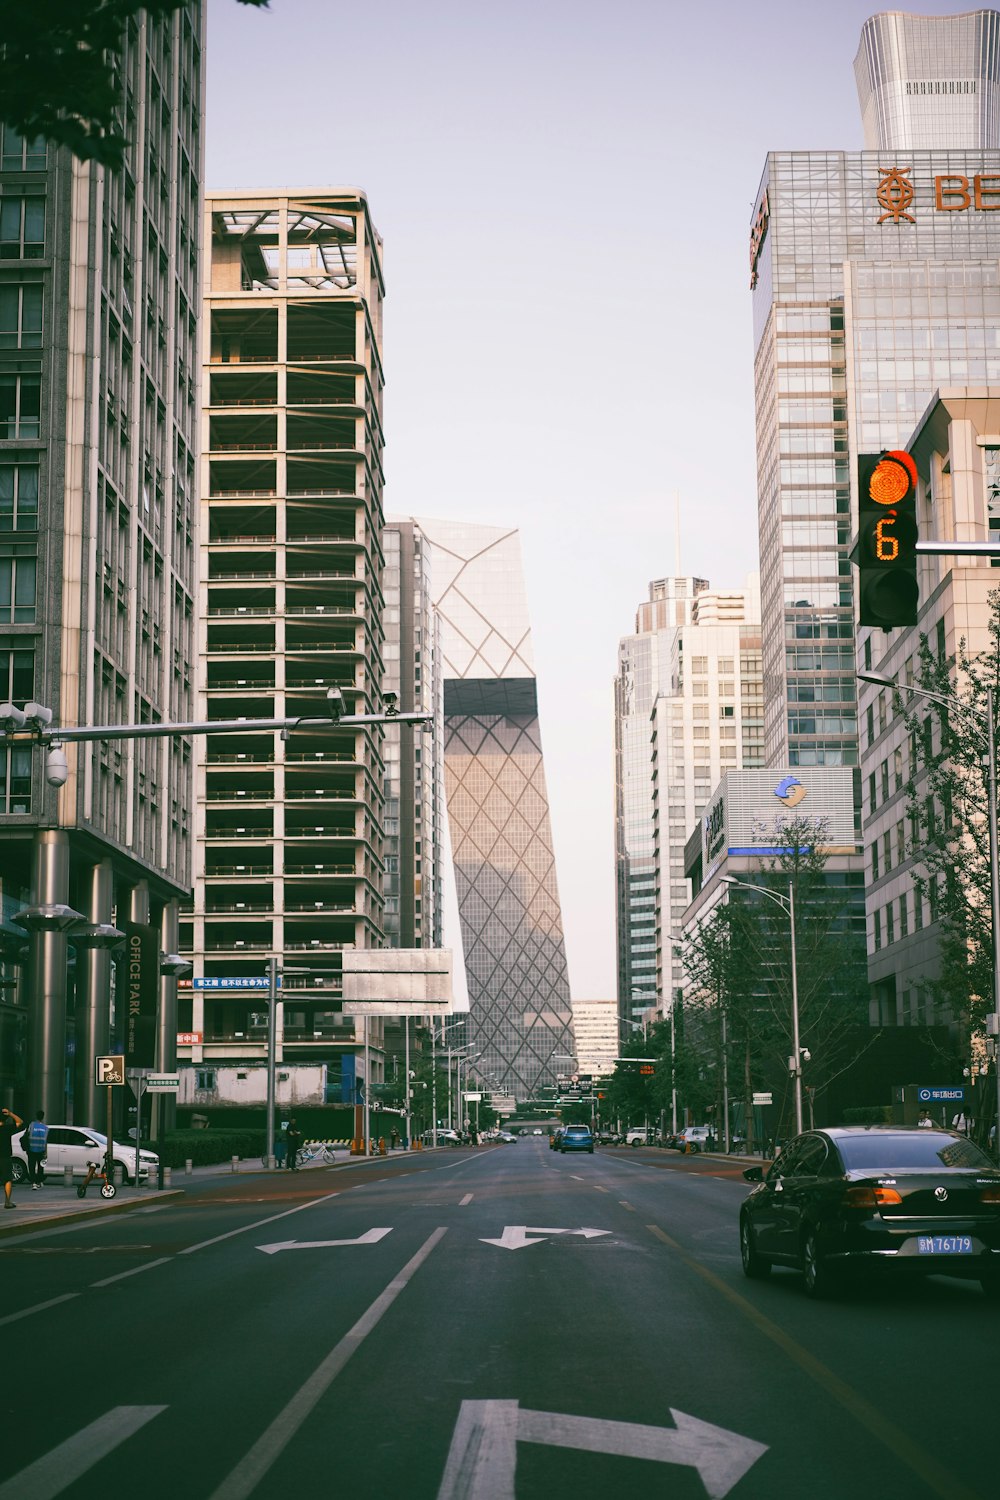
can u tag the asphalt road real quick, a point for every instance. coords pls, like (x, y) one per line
(440, 1325)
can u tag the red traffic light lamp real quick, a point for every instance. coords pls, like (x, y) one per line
(887, 539)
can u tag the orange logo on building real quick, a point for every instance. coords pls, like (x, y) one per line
(895, 194)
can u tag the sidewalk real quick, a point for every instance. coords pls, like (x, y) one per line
(55, 1203)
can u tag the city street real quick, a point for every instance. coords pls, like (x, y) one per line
(423, 1325)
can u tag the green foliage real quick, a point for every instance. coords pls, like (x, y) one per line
(948, 828)
(59, 75)
(207, 1147)
(868, 1114)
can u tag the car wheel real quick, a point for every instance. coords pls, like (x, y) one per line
(818, 1279)
(634, 1144)
(755, 1265)
(19, 1170)
(590, 1150)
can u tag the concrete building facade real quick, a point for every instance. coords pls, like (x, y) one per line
(289, 831)
(99, 275)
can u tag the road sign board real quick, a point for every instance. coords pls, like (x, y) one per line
(763, 1098)
(475, 1098)
(163, 1083)
(110, 1070)
(932, 1095)
(233, 982)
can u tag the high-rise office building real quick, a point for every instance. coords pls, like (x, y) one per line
(687, 710)
(498, 811)
(875, 281)
(414, 786)
(929, 82)
(289, 854)
(99, 275)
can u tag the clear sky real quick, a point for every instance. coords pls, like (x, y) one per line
(564, 190)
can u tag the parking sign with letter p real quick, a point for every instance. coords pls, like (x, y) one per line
(110, 1070)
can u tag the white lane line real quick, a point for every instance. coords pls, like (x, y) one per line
(251, 1469)
(467, 1199)
(64, 1465)
(260, 1223)
(26, 1312)
(599, 1189)
(575, 1178)
(135, 1271)
(623, 1204)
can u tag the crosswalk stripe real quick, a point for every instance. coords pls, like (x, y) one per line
(63, 1466)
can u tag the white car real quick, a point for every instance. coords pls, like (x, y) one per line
(640, 1136)
(77, 1146)
(695, 1138)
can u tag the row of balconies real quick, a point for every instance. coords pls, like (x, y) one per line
(255, 388)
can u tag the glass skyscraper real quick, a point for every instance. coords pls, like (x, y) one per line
(876, 279)
(501, 840)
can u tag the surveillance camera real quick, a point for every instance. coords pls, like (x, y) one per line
(390, 702)
(56, 766)
(11, 717)
(334, 702)
(806, 1054)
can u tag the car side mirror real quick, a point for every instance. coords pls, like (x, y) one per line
(753, 1174)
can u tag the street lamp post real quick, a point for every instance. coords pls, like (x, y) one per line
(948, 701)
(787, 904)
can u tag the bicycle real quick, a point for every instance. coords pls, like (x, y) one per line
(96, 1170)
(317, 1153)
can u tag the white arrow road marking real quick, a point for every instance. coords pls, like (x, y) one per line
(516, 1236)
(64, 1465)
(482, 1459)
(370, 1237)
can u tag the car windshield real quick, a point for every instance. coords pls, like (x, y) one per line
(924, 1148)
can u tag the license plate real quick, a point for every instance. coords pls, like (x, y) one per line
(944, 1244)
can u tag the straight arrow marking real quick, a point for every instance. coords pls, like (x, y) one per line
(370, 1237)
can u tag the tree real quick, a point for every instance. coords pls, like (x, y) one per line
(738, 965)
(947, 801)
(59, 75)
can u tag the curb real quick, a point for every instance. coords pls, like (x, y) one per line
(26, 1226)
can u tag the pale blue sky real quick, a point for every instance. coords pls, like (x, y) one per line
(564, 191)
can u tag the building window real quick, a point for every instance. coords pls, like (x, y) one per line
(17, 585)
(18, 497)
(20, 406)
(206, 1079)
(22, 228)
(18, 154)
(21, 316)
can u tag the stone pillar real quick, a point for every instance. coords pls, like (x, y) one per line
(165, 1105)
(93, 1002)
(48, 981)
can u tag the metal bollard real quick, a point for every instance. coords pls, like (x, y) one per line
(167, 1174)
(236, 1163)
(67, 1176)
(188, 1167)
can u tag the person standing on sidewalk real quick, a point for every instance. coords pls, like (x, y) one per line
(293, 1136)
(35, 1143)
(10, 1125)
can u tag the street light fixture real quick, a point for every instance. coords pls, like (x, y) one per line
(947, 700)
(787, 904)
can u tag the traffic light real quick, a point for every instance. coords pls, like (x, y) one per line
(887, 539)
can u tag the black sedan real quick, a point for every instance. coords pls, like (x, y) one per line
(921, 1201)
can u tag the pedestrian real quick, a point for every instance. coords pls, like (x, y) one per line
(10, 1125)
(959, 1122)
(925, 1121)
(35, 1143)
(293, 1140)
(393, 1140)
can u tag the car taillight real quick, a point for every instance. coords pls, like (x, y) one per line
(867, 1196)
(990, 1195)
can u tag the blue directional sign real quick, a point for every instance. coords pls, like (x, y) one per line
(948, 1096)
(237, 982)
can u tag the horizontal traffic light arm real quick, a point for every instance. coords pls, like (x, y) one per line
(959, 549)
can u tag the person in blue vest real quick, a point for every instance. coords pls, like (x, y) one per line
(36, 1139)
